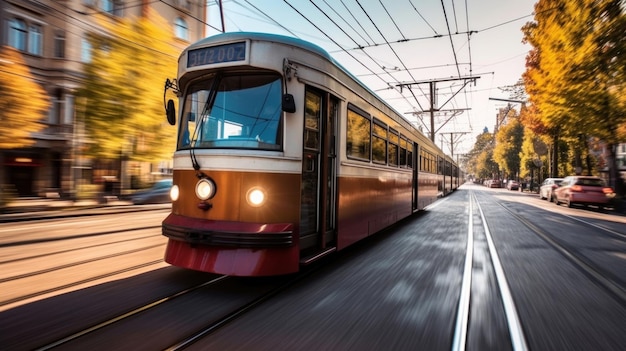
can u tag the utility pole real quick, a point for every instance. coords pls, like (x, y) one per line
(453, 141)
(432, 84)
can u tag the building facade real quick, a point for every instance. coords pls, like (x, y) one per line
(52, 37)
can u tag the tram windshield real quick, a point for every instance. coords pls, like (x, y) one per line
(238, 111)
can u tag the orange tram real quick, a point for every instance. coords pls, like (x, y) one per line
(284, 157)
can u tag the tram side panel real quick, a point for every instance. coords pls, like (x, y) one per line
(370, 203)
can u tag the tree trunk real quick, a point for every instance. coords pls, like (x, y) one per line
(554, 169)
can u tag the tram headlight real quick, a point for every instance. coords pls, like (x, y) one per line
(174, 192)
(205, 189)
(256, 197)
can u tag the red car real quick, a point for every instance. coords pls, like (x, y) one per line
(583, 190)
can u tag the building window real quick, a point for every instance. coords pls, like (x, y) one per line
(59, 45)
(180, 29)
(35, 42)
(17, 34)
(107, 6)
(85, 51)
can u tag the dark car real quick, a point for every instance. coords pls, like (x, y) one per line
(583, 190)
(159, 193)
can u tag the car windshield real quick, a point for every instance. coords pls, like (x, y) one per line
(241, 111)
(590, 182)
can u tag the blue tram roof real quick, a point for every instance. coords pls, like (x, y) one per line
(283, 39)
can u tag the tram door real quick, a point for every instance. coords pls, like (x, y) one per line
(319, 171)
(415, 160)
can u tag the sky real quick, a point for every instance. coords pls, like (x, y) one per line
(387, 43)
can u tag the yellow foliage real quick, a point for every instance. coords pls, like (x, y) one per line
(23, 102)
(124, 89)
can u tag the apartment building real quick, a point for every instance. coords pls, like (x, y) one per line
(52, 37)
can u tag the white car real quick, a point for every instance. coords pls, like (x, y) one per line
(549, 184)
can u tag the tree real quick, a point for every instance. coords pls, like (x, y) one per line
(576, 76)
(480, 161)
(23, 102)
(508, 146)
(123, 90)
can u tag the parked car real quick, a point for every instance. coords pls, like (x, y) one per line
(549, 184)
(159, 193)
(583, 190)
(512, 185)
(495, 183)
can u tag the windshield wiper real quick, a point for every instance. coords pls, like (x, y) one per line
(206, 112)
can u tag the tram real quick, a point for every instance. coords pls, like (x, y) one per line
(283, 157)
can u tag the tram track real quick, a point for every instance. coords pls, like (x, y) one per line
(78, 283)
(568, 238)
(463, 319)
(75, 236)
(78, 263)
(216, 318)
(126, 315)
(65, 251)
(605, 279)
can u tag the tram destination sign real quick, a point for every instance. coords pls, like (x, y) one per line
(217, 54)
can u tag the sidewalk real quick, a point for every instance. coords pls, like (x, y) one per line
(37, 204)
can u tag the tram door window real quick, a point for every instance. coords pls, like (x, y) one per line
(317, 216)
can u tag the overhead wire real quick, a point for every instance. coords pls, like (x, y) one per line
(357, 21)
(393, 21)
(450, 36)
(271, 19)
(424, 19)
(345, 21)
(336, 43)
(394, 52)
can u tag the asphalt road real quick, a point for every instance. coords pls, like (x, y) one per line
(98, 282)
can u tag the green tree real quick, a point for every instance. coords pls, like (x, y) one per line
(123, 90)
(23, 102)
(576, 76)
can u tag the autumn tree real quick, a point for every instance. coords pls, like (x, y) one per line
(480, 158)
(23, 102)
(508, 146)
(123, 91)
(576, 76)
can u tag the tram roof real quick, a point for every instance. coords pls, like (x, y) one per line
(287, 40)
(282, 39)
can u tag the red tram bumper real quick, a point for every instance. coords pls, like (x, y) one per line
(232, 248)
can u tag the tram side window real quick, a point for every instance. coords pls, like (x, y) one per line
(358, 136)
(403, 154)
(379, 143)
(428, 162)
(409, 157)
(393, 147)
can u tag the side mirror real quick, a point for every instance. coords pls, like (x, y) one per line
(289, 105)
(170, 112)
